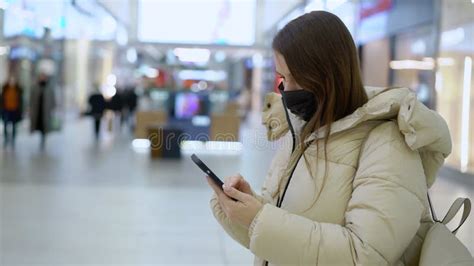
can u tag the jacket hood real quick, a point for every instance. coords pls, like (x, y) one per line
(423, 129)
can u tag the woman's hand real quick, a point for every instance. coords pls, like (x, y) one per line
(238, 206)
(239, 183)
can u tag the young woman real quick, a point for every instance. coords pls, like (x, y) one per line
(349, 184)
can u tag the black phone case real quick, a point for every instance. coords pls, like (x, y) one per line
(207, 171)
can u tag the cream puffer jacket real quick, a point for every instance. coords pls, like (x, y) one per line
(370, 208)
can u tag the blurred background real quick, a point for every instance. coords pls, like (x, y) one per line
(106, 99)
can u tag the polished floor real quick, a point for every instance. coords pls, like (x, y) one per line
(86, 203)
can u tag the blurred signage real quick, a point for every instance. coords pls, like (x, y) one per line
(219, 22)
(370, 8)
(22, 52)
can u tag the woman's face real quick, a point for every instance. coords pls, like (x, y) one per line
(283, 71)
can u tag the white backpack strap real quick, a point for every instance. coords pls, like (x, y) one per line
(454, 209)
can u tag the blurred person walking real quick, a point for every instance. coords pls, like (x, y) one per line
(42, 104)
(96, 109)
(11, 108)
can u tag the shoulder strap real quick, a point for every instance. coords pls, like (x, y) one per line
(433, 214)
(453, 210)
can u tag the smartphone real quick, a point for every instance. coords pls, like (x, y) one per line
(208, 171)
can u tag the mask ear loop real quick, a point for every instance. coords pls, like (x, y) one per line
(281, 87)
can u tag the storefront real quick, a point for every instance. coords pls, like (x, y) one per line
(454, 80)
(430, 52)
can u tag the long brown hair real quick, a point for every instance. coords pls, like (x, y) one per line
(322, 58)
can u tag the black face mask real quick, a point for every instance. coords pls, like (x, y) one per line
(42, 83)
(300, 102)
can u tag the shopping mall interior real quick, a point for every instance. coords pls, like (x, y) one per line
(137, 86)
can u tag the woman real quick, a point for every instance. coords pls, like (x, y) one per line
(349, 185)
(11, 106)
(42, 106)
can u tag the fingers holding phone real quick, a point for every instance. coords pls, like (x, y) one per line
(222, 197)
(236, 182)
(235, 197)
(239, 183)
(239, 207)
